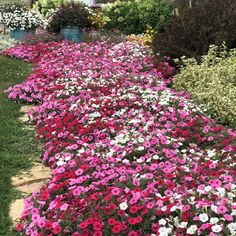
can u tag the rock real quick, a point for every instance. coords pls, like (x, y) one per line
(25, 109)
(37, 173)
(16, 209)
(27, 182)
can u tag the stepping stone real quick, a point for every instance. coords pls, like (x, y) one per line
(27, 182)
(25, 109)
(37, 173)
(16, 209)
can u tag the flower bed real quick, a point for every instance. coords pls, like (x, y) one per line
(129, 156)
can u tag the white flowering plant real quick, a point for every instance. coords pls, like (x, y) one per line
(18, 17)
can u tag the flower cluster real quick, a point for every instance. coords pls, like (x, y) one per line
(129, 156)
(18, 17)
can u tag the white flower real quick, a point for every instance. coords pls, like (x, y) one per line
(192, 229)
(162, 222)
(183, 225)
(232, 228)
(216, 228)
(173, 208)
(164, 231)
(60, 163)
(211, 153)
(123, 206)
(207, 188)
(67, 158)
(203, 217)
(214, 220)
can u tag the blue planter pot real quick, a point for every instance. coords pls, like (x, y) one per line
(19, 34)
(71, 33)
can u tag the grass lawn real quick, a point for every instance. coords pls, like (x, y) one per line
(17, 146)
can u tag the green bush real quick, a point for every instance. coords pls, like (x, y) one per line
(193, 29)
(6, 42)
(136, 16)
(212, 82)
(47, 6)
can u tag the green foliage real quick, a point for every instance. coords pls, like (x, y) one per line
(6, 42)
(47, 6)
(136, 16)
(70, 14)
(193, 29)
(212, 82)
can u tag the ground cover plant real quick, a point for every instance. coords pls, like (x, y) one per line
(212, 82)
(17, 146)
(129, 156)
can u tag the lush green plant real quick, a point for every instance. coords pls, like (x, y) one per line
(47, 6)
(193, 29)
(212, 82)
(6, 42)
(136, 16)
(70, 14)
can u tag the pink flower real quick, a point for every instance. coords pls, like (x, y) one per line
(149, 176)
(116, 191)
(221, 210)
(228, 217)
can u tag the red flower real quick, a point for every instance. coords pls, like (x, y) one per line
(133, 209)
(121, 213)
(116, 228)
(97, 233)
(57, 230)
(139, 219)
(44, 195)
(19, 227)
(112, 221)
(48, 225)
(97, 226)
(132, 221)
(132, 233)
(83, 225)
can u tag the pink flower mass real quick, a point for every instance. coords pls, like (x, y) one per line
(126, 151)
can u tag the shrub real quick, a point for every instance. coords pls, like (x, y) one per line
(46, 6)
(70, 14)
(6, 42)
(136, 16)
(193, 29)
(212, 82)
